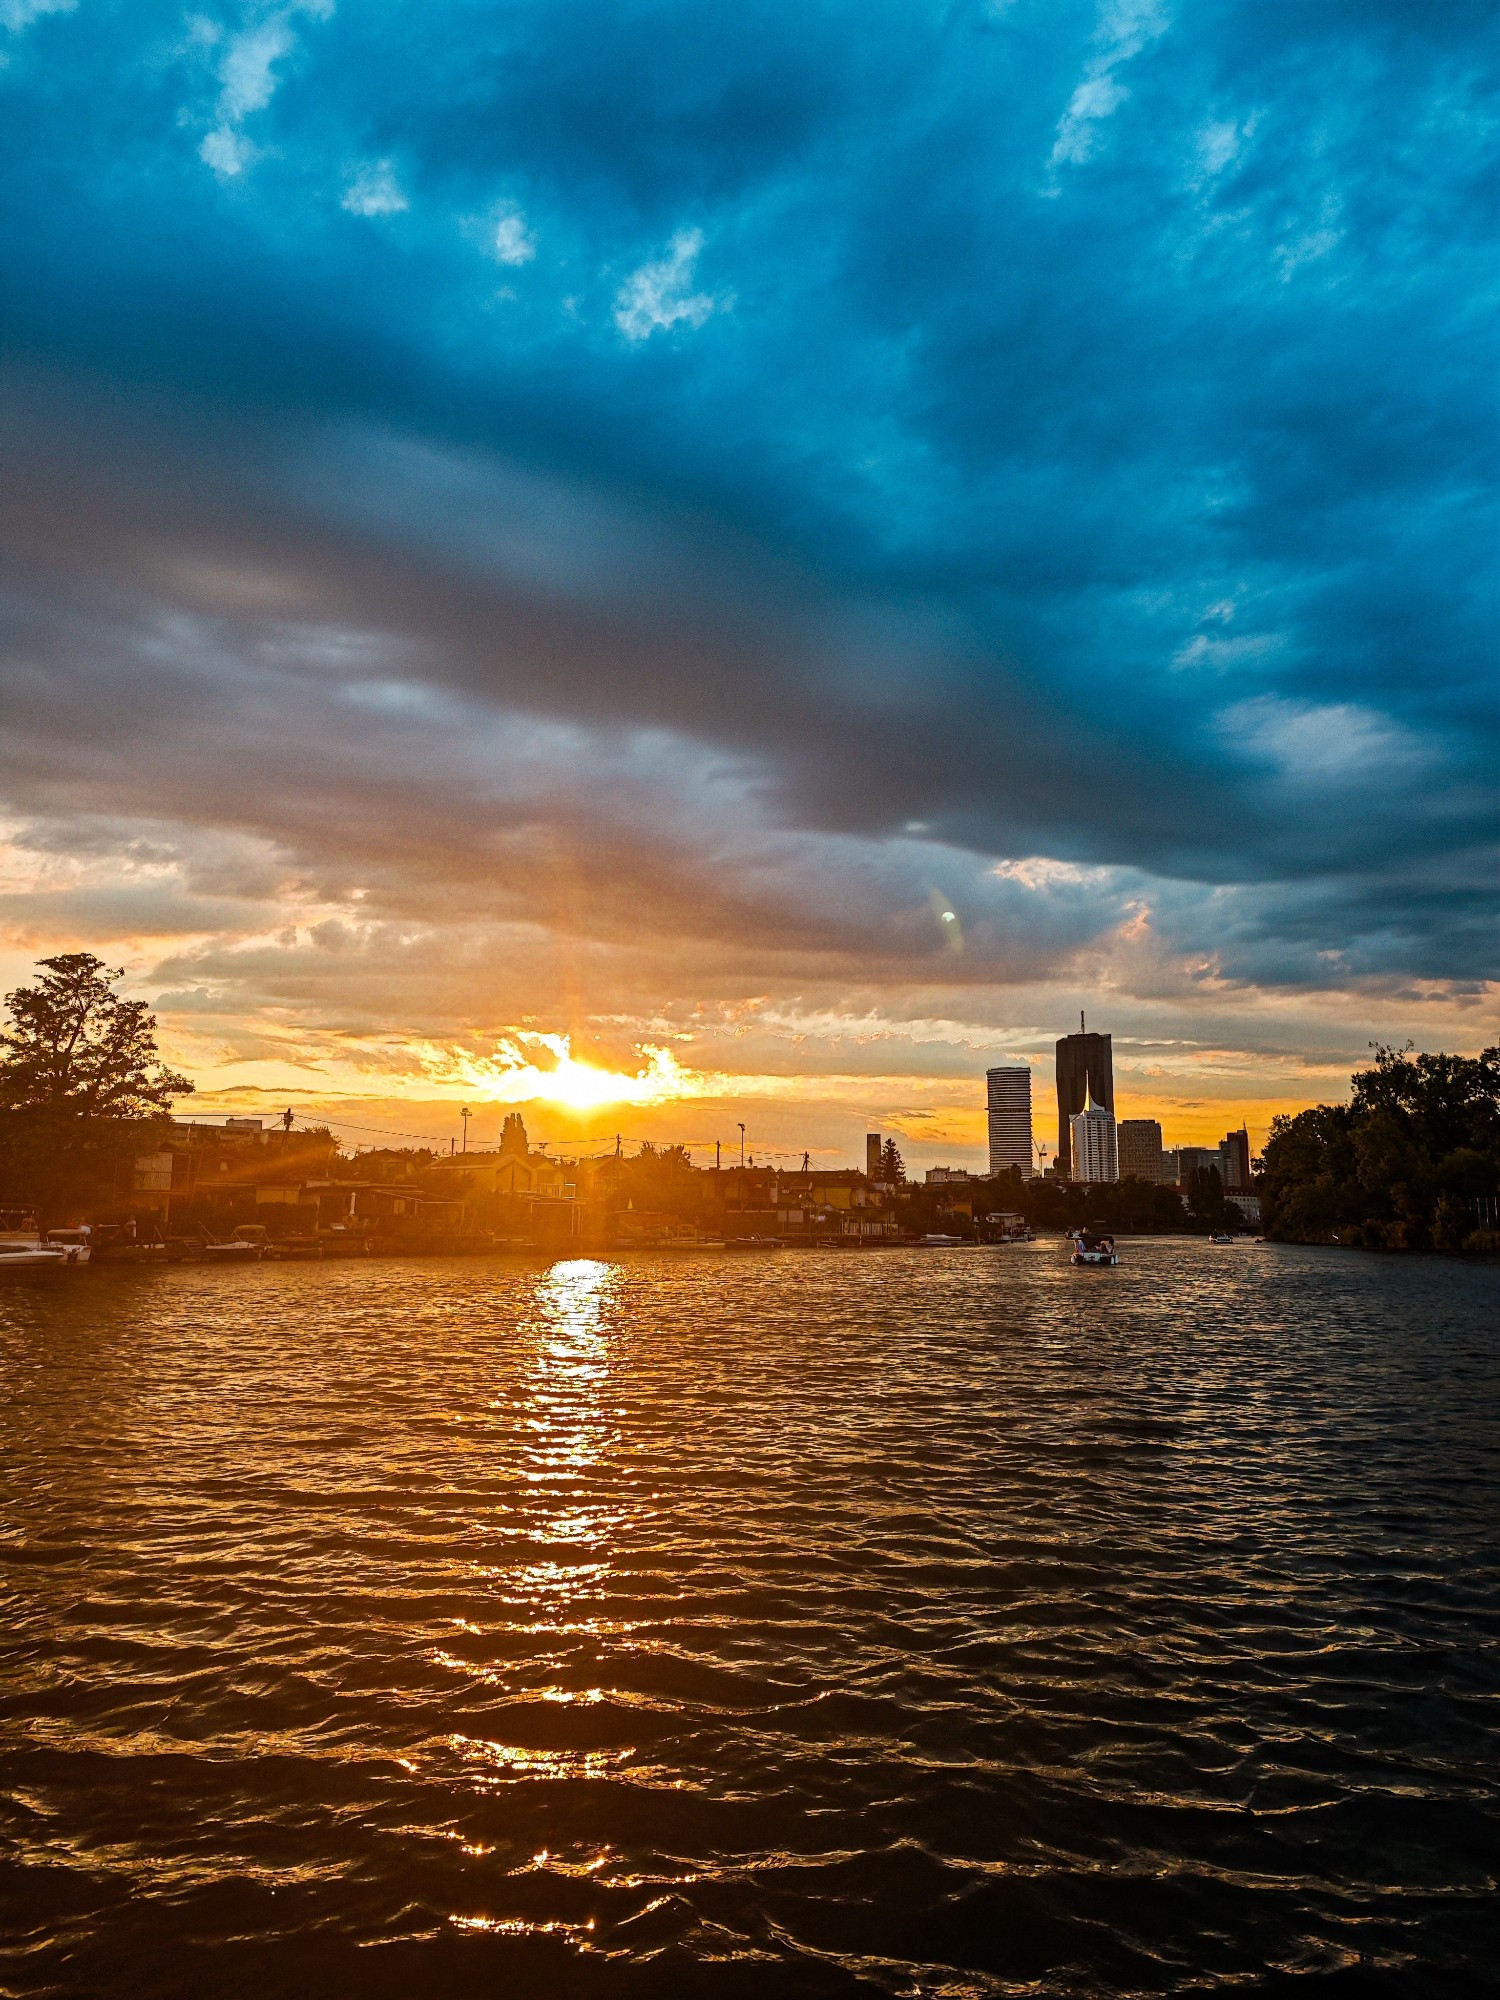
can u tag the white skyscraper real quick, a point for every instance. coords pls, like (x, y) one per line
(1010, 1119)
(1096, 1154)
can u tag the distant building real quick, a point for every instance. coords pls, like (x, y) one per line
(1234, 1161)
(1085, 1070)
(1009, 1095)
(939, 1176)
(1093, 1147)
(1141, 1156)
(1190, 1158)
(1169, 1174)
(511, 1169)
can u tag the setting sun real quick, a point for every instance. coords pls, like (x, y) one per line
(512, 1076)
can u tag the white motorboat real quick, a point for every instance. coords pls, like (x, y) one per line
(28, 1250)
(76, 1245)
(24, 1257)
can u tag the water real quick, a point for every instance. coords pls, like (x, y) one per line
(913, 1623)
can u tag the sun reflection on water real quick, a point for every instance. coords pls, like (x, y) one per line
(567, 1429)
(559, 1416)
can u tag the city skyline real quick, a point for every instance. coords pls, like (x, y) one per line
(1009, 1139)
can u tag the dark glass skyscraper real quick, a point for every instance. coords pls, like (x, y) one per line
(1085, 1068)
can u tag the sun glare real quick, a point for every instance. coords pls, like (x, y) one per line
(512, 1075)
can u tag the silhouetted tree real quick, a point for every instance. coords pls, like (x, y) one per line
(892, 1166)
(1411, 1162)
(82, 1094)
(75, 1047)
(1205, 1198)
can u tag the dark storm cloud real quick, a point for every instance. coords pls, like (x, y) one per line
(1058, 430)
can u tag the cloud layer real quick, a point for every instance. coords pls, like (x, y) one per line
(889, 514)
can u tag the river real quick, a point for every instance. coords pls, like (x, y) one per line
(910, 1623)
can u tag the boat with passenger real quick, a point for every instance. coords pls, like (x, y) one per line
(1094, 1246)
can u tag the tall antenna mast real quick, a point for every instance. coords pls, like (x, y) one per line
(1081, 1028)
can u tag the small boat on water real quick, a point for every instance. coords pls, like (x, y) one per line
(1092, 1246)
(937, 1241)
(247, 1245)
(1221, 1236)
(76, 1245)
(25, 1248)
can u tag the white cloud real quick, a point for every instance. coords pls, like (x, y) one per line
(657, 294)
(226, 152)
(374, 190)
(247, 81)
(1219, 655)
(1125, 28)
(1324, 742)
(1313, 243)
(1217, 145)
(18, 14)
(513, 241)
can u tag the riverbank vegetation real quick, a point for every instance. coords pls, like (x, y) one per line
(1411, 1162)
(1128, 1207)
(82, 1092)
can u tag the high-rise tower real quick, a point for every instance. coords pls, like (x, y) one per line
(1085, 1069)
(1141, 1156)
(1009, 1092)
(1095, 1143)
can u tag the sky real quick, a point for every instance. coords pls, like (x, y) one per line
(776, 553)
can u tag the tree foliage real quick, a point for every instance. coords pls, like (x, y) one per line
(1405, 1165)
(76, 1048)
(1132, 1206)
(82, 1094)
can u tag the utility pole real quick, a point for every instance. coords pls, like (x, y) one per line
(716, 1156)
(741, 1123)
(1081, 1028)
(466, 1115)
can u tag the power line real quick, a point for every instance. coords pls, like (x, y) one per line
(382, 1132)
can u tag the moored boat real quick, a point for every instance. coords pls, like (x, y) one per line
(23, 1247)
(76, 1245)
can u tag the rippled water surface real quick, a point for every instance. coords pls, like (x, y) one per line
(912, 1623)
